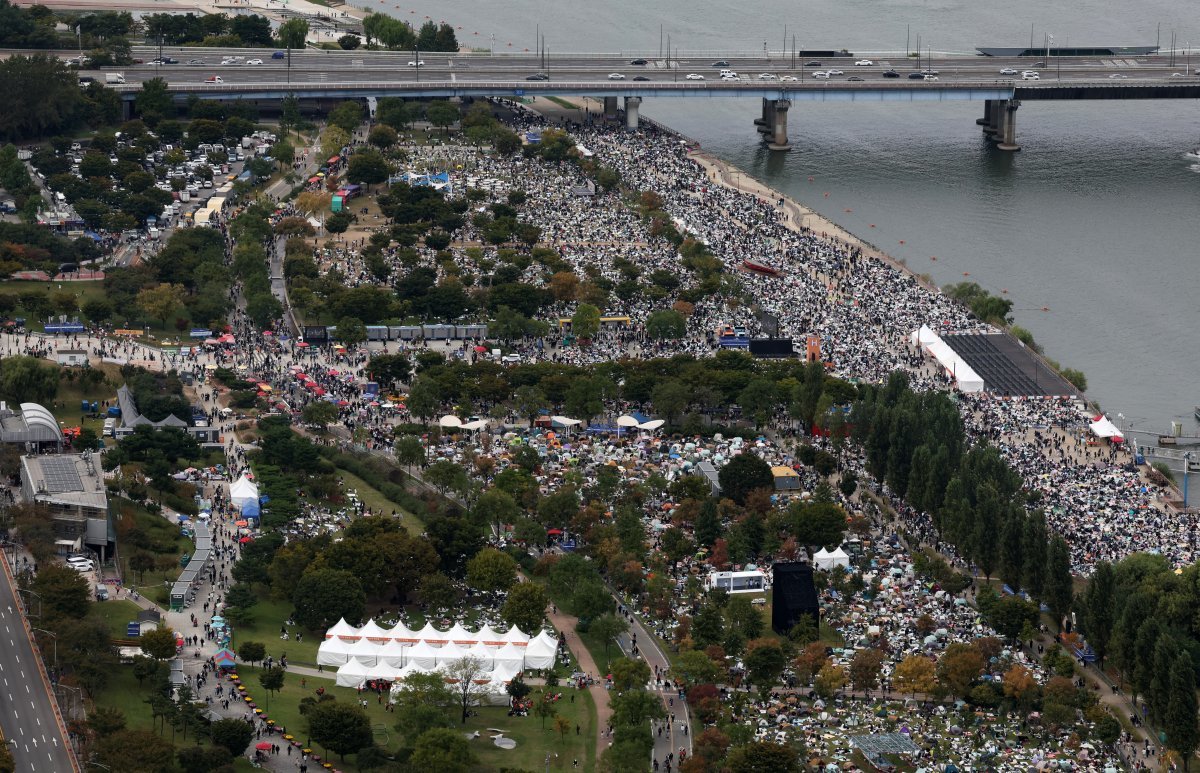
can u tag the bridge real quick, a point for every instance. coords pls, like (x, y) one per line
(779, 80)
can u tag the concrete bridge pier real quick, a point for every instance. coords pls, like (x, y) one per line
(986, 121)
(610, 107)
(767, 121)
(779, 135)
(631, 112)
(1006, 134)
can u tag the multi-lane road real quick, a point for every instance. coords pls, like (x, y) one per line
(27, 710)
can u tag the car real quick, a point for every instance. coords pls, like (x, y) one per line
(1028, 72)
(766, 76)
(820, 74)
(864, 63)
(812, 64)
(278, 55)
(214, 79)
(694, 76)
(152, 61)
(637, 61)
(537, 76)
(1030, 76)
(931, 77)
(254, 61)
(1177, 75)
(930, 72)
(1117, 76)
(855, 78)
(1039, 64)
(228, 60)
(891, 74)
(789, 78)
(170, 60)
(616, 76)
(418, 63)
(1008, 71)
(720, 63)
(916, 76)
(730, 77)
(195, 62)
(835, 72)
(640, 78)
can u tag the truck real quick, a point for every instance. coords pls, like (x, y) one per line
(114, 77)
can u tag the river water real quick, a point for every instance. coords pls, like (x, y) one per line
(1093, 229)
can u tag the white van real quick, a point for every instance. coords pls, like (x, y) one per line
(110, 427)
(114, 77)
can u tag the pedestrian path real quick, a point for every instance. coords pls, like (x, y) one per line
(565, 624)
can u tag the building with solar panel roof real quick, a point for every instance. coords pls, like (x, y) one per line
(71, 488)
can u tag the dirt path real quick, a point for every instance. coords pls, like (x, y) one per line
(565, 624)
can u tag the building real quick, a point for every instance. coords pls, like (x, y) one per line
(34, 424)
(74, 357)
(131, 419)
(71, 487)
(753, 581)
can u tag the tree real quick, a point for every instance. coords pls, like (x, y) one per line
(424, 702)
(763, 757)
(324, 596)
(865, 667)
(1179, 720)
(1058, 580)
(743, 474)
(491, 571)
(607, 628)
(442, 113)
(154, 101)
(136, 751)
(410, 452)
(629, 674)
(233, 734)
(158, 644)
(958, 668)
(368, 166)
(1099, 609)
(525, 607)
(160, 301)
(1020, 685)
(201, 759)
(585, 322)
(252, 651)
(765, 662)
(694, 667)
(351, 331)
(817, 523)
(465, 674)
(320, 413)
(339, 727)
(383, 136)
(333, 139)
(293, 33)
(915, 674)
(271, 680)
(441, 749)
(830, 679)
(349, 42)
(27, 380)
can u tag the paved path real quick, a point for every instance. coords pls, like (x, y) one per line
(677, 728)
(29, 714)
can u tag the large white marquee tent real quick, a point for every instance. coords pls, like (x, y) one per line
(956, 367)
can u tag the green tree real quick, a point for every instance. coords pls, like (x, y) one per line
(368, 166)
(423, 703)
(765, 662)
(763, 757)
(160, 301)
(607, 628)
(585, 322)
(525, 607)
(158, 644)
(136, 751)
(252, 652)
(324, 596)
(27, 380)
(666, 323)
(442, 749)
(1098, 614)
(491, 571)
(351, 331)
(1183, 736)
(339, 727)
(442, 113)
(383, 136)
(293, 33)
(1058, 579)
(154, 101)
(271, 680)
(745, 473)
(320, 412)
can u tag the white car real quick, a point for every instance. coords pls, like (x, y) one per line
(863, 63)
(1176, 75)
(1030, 76)
(766, 76)
(789, 78)
(616, 76)
(1117, 76)
(420, 63)
(1008, 71)
(228, 60)
(694, 76)
(835, 72)
(820, 74)
(931, 77)
(730, 78)
(254, 61)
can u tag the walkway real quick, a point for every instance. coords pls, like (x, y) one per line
(565, 624)
(677, 730)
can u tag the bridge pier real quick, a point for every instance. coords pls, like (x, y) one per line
(1006, 135)
(773, 124)
(610, 107)
(987, 114)
(631, 112)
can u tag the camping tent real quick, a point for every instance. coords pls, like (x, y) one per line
(827, 560)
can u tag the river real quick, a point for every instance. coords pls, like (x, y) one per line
(1092, 229)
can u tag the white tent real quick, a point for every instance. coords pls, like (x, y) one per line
(1102, 427)
(490, 636)
(375, 632)
(333, 652)
(383, 671)
(401, 633)
(365, 650)
(342, 630)
(472, 426)
(393, 653)
(652, 424)
(243, 492)
(432, 635)
(461, 635)
(516, 636)
(956, 367)
(353, 674)
(450, 421)
(626, 421)
(564, 421)
(539, 654)
(451, 653)
(484, 654)
(827, 560)
(409, 670)
(510, 655)
(422, 654)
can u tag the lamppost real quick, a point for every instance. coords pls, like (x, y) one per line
(55, 636)
(1187, 67)
(1049, 40)
(1187, 463)
(36, 596)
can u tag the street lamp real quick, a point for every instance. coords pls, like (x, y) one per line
(36, 596)
(55, 636)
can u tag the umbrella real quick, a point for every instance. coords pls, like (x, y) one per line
(303, 344)
(481, 349)
(262, 746)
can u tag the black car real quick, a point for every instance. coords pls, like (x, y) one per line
(855, 78)
(891, 74)
(637, 61)
(720, 63)
(1039, 64)
(170, 60)
(916, 76)
(640, 78)
(812, 64)
(537, 76)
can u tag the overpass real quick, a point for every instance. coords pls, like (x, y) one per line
(778, 80)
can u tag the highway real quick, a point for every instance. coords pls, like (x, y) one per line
(316, 67)
(27, 709)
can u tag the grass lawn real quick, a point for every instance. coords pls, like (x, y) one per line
(116, 613)
(269, 614)
(124, 693)
(374, 499)
(532, 742)
(563, 103)
(132, 519)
